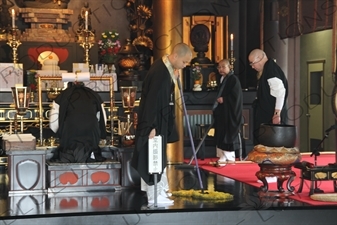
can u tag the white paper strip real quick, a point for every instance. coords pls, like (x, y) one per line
(155, 155)
(79, 77)
(83, 76)
(68, 77)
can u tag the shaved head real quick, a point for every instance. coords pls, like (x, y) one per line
(181, 49)
(256, 53)
(257, 58)
(180, 56)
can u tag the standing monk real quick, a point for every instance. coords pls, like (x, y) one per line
(228, 114)
(272, 91)
(156, 115)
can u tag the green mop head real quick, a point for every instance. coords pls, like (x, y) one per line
(200, 195)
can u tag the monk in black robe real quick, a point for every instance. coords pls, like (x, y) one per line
(156, 109)
(272, 92)
(78, 118)
(228, 114)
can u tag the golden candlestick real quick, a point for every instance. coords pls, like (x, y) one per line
(232, 60)
(14, 42)
(86, 43)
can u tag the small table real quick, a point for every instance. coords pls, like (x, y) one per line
(282, 173)
(316, 173)
(27, 172)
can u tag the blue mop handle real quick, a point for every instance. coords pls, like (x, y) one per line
(189, 132)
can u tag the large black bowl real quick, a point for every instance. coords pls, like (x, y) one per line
(277, 135)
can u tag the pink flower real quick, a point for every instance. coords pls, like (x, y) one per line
(109, 46)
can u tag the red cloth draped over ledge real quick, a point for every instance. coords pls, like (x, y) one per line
(245, 172)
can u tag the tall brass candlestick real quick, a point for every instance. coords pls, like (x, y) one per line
(86, 44)
(14, 42)
(232, 60)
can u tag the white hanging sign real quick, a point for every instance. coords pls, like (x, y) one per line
(155, 155)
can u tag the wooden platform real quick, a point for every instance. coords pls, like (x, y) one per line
(75, 177)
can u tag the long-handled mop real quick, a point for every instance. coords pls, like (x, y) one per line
(195, 151)
(209, 195)
(190, 134)
(189, 165)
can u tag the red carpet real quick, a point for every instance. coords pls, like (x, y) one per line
(245, 172)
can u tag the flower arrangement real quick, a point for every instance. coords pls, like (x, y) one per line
(31, 80)
(196, 71)
(108, 46)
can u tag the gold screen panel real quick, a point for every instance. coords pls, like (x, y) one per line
(218, 27)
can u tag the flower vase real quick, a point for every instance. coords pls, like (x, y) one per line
(109, 67)
(32, 97)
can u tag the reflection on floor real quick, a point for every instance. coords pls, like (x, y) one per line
(128, 201)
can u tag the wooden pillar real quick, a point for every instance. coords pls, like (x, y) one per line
(334, 69)
(167, 32)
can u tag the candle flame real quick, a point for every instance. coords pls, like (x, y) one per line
(232, 36)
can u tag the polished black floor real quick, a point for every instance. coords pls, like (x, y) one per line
(63, 207)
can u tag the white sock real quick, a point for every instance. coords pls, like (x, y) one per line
(230, 155)
(225, 155)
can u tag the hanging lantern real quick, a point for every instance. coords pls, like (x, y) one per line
(128, 95)
(21, 96)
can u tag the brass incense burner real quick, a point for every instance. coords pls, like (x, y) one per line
(52, 93)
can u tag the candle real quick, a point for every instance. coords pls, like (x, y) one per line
(128, 100)
(232, 39)
(13, 18)
(86, 20)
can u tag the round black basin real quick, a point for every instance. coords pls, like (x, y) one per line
(277, 135)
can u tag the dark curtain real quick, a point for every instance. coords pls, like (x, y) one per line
(297, 17)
